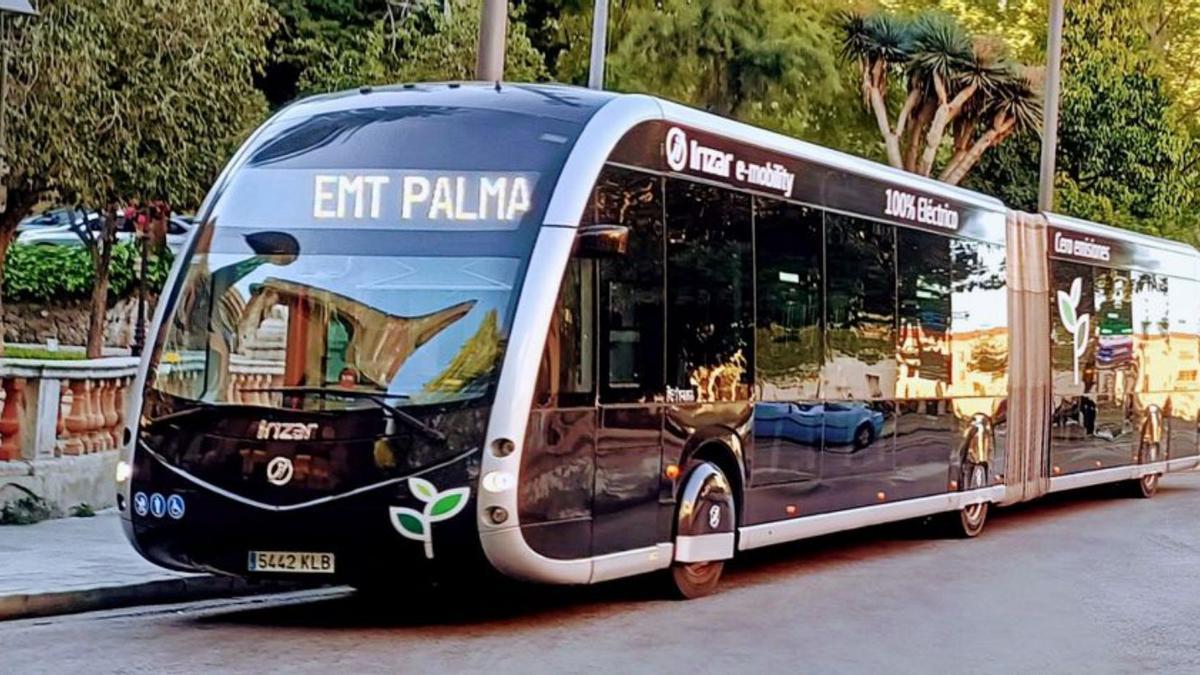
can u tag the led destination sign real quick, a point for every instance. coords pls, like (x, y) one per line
(385, 199)
(449, 197)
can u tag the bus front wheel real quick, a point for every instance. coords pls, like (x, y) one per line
(705, 519)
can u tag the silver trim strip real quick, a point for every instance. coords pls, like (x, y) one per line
(780, 531)
(704, 547)
(1183, 463)
(629, 563)
(602, 133)
(293, 507)
(1101, 476)
(505, 545)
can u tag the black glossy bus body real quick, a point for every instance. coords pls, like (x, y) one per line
(354, 448)
(803, 347)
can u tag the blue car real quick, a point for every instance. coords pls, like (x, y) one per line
(844, 423)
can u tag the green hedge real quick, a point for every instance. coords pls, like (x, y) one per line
(36, 273)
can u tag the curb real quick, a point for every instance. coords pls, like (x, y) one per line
(163, 591)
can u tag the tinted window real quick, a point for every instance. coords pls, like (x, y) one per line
(788, 245)
(979, 320)
(631, 287)
(710, 292)
(860, 308)
(1151, 326)
(1072, 316)
(923, 347)
(567, 373)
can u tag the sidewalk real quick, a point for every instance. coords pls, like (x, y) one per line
(85, 564)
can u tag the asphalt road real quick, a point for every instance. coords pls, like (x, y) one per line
(1087, 582)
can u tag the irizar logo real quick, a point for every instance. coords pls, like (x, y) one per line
(677, 149)
(439, 506)
(1078, 326)
(280, 470)
(286, 431)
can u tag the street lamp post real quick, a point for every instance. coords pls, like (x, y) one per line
(493, 29)
(599, 44)
(1050, 119)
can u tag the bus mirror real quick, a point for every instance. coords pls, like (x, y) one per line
(602, 241)
(276, 244)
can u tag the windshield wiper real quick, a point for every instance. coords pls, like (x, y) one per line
(380, 399)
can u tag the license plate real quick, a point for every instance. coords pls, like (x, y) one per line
(291, 561)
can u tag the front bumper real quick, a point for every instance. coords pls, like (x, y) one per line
(179, 523)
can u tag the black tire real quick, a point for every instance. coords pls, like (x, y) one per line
(688, 581)
(968, 522)
(1145, 487)
(864, 436)
(695, 580)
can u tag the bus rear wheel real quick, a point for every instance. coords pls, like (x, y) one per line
(969, 520)
(1145, 487)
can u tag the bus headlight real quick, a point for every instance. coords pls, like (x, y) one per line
(124, 471)
(498, 481)
(497, 515)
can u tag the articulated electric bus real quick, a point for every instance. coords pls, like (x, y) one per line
(576, 336)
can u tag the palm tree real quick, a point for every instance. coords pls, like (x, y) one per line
(1013, 107)
(954, 83)
(880, 43)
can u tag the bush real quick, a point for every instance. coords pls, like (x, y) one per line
(39, 273)
(25, 511)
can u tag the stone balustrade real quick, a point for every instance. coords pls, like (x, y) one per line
(59, 408)
(61, 425)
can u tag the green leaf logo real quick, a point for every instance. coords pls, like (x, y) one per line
(422, 489)
(1078, 326)
(408, 522)
(439, 506)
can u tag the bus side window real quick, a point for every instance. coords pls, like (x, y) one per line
(710, 293)
(631, 289)
(567, 374)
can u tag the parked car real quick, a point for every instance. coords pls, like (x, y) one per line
(179, 226)
(60, 217)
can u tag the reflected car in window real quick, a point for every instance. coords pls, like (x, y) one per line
(850, 423)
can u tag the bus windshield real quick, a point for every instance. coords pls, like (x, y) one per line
(283, 319)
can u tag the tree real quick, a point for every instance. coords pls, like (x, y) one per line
(426, 43)
(721, 55)
(1126, 155)
(124, 100)
(954, 87)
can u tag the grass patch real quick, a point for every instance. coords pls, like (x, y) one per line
(42, 353)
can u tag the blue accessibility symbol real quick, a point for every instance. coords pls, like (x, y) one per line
(175, 506)
(158, 505)
(141, 504)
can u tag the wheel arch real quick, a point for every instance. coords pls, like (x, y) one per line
(723, 448)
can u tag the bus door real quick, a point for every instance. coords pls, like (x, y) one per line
(629, 439)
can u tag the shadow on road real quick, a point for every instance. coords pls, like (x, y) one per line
(493, 603)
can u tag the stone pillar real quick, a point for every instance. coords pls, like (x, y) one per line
(40, 420)
(10, 418)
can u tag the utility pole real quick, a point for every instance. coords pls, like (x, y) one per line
(599, 44)
(1050, 116)
(493, 27)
